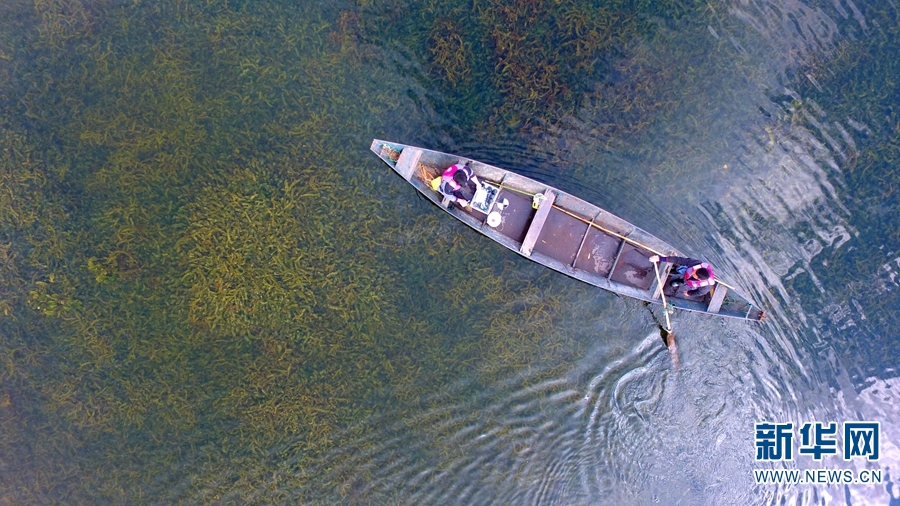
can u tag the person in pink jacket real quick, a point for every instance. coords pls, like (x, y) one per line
(458, 183)
(697, 276)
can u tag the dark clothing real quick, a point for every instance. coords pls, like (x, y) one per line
(683, 264)
(697, 292)
(685, 261)
(459, 184)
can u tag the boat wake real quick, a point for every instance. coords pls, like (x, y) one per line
(607, 429)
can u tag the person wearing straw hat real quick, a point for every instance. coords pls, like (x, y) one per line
(697, 276)
(458, 183)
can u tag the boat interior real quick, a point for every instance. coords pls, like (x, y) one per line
(559, 231)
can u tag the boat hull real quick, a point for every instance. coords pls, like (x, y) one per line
(562, 232)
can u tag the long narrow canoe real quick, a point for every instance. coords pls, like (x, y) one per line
(561, 231)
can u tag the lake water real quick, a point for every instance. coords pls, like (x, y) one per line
(212, 292)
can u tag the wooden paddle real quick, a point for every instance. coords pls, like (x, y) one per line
(669, 336)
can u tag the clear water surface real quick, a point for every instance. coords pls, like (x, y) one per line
(211, 292)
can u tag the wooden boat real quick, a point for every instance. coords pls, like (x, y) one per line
(561, 231)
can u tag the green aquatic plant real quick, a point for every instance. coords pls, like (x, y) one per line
(100, 272)
(186, 257)
(450, 51)
(62, 20)
(536, 59)
(349, 34)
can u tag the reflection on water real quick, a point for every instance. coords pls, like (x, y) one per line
(221, 299)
